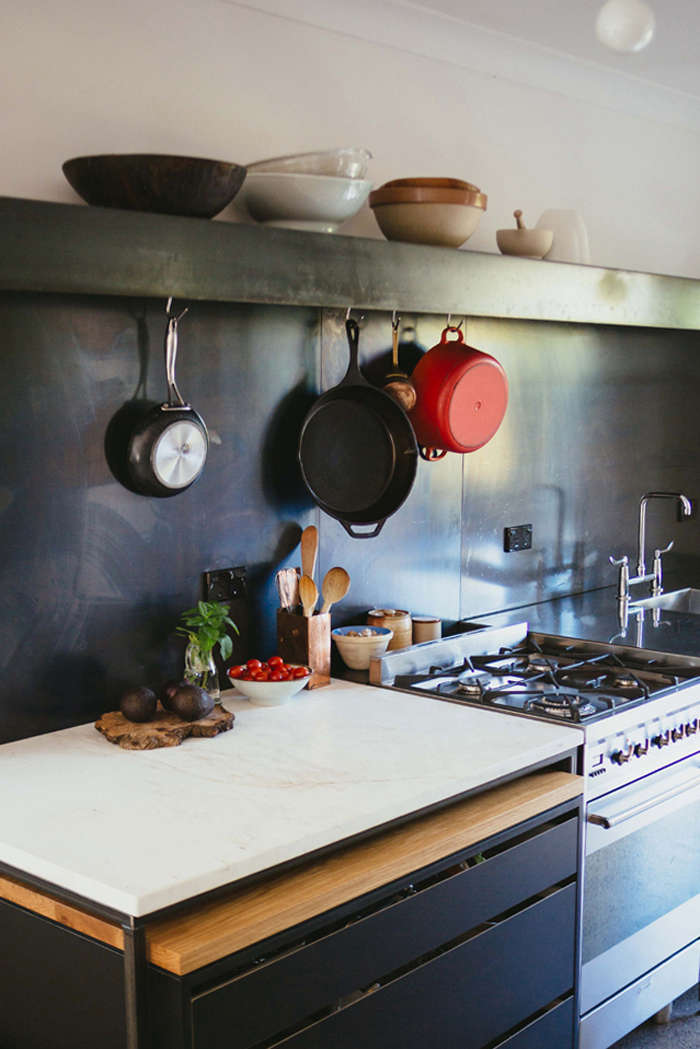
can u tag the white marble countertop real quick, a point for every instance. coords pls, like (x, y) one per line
(139, 830)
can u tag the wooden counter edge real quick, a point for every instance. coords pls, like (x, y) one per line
(63, 913)
(210, 931)
(188, 941)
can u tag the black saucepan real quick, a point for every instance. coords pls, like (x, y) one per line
(357, 450)
(158, 449)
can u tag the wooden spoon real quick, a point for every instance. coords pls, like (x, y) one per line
(308, 594)
(335, 586)
(309, 550)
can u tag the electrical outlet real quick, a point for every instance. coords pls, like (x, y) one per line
(229, 586)
(517, 537)
(224, 584)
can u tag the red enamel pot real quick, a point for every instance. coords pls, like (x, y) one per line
(461, 397)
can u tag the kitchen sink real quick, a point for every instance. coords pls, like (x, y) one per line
(687, 601)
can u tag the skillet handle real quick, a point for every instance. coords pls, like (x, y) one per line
(353, 375)
(363, 535)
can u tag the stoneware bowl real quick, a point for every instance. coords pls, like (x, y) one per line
(446, 225)
(319, 203)
(270, 693)
(356, 652)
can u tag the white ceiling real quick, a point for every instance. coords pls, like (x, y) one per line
(567, 27)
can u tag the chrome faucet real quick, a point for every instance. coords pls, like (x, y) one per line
(655, 577)
(686, 510)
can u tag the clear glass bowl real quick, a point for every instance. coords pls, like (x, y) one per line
(347, 162)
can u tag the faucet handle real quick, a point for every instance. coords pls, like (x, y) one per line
(624, 560)
(657, 584)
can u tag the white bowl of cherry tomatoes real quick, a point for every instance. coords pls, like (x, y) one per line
(270, 683)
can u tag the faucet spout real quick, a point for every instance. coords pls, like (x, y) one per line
(686, 510)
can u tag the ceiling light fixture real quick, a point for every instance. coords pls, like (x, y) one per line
(625, 25)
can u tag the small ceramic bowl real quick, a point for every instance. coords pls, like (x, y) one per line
(526, 243)
(270, 693)
(357, 649)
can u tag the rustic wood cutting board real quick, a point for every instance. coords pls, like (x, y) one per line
(165, 730)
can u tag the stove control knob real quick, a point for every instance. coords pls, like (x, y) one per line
(640, 749)
(677, 733)
(619, 757)
(691, 727)
(662, 740)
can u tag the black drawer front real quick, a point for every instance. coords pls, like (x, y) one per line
(465, 998)
(554, 1030)
(72, 988)
(279, 995)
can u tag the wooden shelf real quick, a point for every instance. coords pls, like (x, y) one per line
(75, 249)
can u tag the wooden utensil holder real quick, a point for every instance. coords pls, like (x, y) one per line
(306, 639)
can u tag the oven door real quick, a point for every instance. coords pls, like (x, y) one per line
(641, 897)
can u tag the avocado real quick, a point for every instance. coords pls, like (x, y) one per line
(139, 704)
(190, 702)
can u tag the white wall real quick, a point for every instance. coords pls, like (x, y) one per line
(426, 95)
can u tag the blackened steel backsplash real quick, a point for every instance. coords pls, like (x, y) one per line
(94, 577)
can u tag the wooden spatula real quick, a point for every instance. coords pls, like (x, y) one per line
(308, 594)
(309, 550)
(335, 586)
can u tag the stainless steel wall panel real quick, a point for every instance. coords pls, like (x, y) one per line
(597, 416)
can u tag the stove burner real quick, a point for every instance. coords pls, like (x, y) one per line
(562, 706)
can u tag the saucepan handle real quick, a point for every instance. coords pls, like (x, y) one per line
(431, 455)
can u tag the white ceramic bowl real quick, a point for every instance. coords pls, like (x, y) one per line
(347, 162)
(526, 243)
(356, 652)
(447, 225)
(270, 693)
(310, 202)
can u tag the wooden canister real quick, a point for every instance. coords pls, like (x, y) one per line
(306, 639)
(395, 619)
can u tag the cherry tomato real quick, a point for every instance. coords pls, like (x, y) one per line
(261, 675)
(298, 672)
(253, 664)
(235, 672)
(276, 675)
(275, 661)
(247, 676)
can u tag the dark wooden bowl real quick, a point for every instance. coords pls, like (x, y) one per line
(156, 182)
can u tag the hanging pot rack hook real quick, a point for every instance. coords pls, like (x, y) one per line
(347, 315)
(172, 316)
(454, 327)
(395, 320)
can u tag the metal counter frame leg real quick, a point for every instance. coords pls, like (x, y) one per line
(135, 985)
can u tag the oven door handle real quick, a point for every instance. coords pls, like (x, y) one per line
(614, 819)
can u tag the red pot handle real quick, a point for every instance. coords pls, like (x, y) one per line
(431, 455)
(445, 332)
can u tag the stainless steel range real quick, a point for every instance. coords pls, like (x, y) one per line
(639, 716)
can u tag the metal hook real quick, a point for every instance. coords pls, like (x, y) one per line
(347, 315)
(454, 327)
(169, 313)
(395, 320)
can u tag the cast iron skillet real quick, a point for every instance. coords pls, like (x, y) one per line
(153, 448)
(357, 450)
